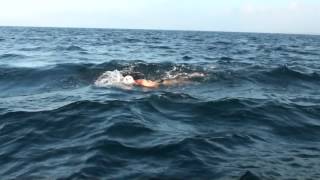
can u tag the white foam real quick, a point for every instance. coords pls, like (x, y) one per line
(113, 78)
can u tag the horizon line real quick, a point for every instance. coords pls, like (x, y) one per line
(160, 29)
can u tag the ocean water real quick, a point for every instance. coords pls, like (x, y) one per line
(255, 114)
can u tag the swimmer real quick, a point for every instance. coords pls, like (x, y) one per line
(129, 80)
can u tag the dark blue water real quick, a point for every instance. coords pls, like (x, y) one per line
(257, 110)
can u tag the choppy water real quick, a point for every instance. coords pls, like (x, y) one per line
(257, 109)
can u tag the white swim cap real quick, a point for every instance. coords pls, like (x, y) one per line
(128, 80)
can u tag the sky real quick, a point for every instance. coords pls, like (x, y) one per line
(274, 16)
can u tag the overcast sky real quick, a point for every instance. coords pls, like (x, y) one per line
(277, 16)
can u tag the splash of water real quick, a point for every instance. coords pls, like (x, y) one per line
(109, 78)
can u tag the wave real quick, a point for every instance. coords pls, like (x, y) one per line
(161, 127)
(261, 75)
(187, 58)
(222, 43)
(226, 58)
(159, 47)
(65, 76)
(70, 48)
(294, 50)
(131, 40)
(147, 117)
(9, 56)
(50, 78)
(211, 48)
(32, 48)
(285, 74)
(167, 103)
(157, 126)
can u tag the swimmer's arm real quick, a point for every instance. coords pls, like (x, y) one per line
(181, 80)
(167, 82)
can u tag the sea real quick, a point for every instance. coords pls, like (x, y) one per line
(255, 114)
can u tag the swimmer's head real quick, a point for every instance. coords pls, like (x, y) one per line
(128, 80)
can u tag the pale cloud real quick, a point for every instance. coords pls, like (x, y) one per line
(248, 9)
(292, 16)
(294, 5)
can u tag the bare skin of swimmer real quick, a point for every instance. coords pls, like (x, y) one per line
(147, 83)
(154, 84)
(168, 82)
